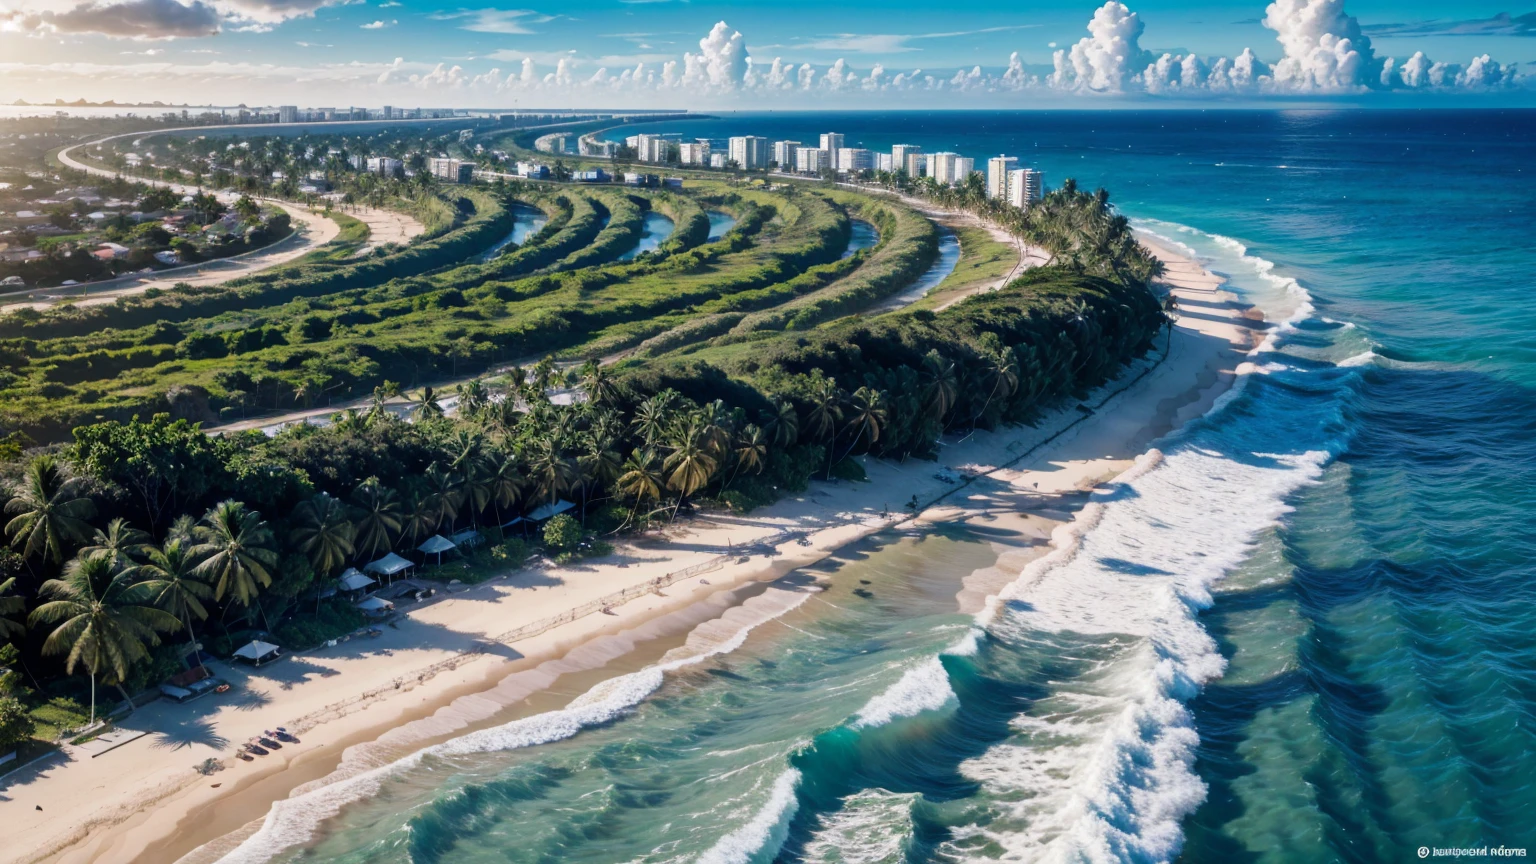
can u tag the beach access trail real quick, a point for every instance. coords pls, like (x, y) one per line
(435, 673)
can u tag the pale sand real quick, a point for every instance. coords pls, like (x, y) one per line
(385, 226)
(143, 801)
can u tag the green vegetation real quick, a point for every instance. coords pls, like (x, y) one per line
(717, 372)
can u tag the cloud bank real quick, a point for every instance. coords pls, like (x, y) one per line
(1318, 50)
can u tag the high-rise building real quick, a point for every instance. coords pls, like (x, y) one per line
(784, 154)
(810, 160)
(751, 152)
(885, 162)
(384, 166)
(998, 168)
(899, 154)
(452, 170)
(649, 148)
(916, 165)
(965, 166)
(1025, 187)
(832, 142)
(696, 153)
(851, 160)
(389, 112)
(288, 114)
(941, 166)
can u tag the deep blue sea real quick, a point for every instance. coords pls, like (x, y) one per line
(1303, 630)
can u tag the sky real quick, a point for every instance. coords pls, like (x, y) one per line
(785, 54)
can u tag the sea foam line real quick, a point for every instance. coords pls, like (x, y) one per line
(765, 832)
(295, 820)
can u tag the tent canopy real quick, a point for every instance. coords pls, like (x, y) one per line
(355, 580)
(468, 537)
(548, 511)
(389, 565)
(515, 520)
(375, 604)
(437, 544)
(256, 650)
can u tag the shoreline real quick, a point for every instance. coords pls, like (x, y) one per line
(165, 810)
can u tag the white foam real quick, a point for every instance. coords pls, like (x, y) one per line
(1112, 776)
(873, 826)
(924, 687)
(968, 645)
(1364, 358)
(294, 820)
(764, 833)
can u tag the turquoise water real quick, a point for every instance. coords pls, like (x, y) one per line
(527, 222)
(1302, 630)
(653, 233)
(719, 223)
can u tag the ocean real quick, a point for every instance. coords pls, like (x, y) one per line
(1302, 629)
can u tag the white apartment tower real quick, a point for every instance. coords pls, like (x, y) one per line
(784, 154)
(287, 113)
(916, 165)
(998, 169)
(810, 160)
(832, 142)
(942, 167)
(751, 152)
(696, 153)
(854, 159)
(899, 154)
(1025, 187)
(965, 166)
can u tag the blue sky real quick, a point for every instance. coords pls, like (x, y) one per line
(850, 53)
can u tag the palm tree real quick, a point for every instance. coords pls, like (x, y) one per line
(640, 480)
(1003, 368)
(689, 466)
(941, 387)
(103, 620)
(49, 512)
(652, 419)
(551, 471)
(235, 546)
(784, 424)
(506, 481)
(443, 494)
(866, 415)
(424, 404)
(826, 409)
(597, 382)
(121, 541)
(323, 532)
(9, 606)
(475, 482)
(750, 450)
(421, 519)
(170, 576)
(472, 397)
(826, 413)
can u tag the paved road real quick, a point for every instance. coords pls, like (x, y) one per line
(311, 230)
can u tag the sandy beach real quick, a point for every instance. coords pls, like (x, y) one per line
(449, 665)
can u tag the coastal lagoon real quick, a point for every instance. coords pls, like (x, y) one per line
(1303, 628)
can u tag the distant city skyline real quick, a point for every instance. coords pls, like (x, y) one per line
(794, 54)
